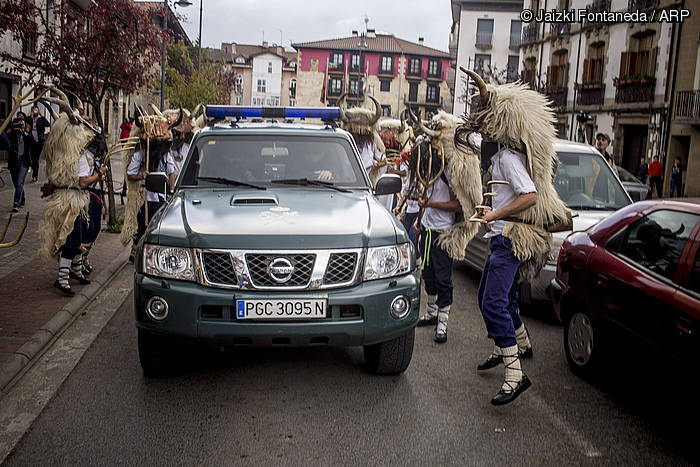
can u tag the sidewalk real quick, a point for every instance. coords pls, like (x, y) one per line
(27, 297)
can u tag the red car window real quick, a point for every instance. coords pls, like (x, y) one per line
(656, 242)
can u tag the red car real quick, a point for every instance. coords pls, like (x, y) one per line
(636, 271)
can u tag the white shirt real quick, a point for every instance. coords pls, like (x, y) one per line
(180, 156)
(136, 167)
(438, 219)
(508, 165)
(86, 166)
(411, 204)
(369, 155)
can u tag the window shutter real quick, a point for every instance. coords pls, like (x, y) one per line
(586, 71)
(652, 62)
(624, 64)
(549, 76)
(633, 65)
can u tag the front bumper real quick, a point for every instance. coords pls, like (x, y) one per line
(207, 314)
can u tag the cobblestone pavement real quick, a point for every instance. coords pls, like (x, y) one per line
(27, 297)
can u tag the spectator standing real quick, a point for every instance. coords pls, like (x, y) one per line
(656, 176)
(676, 178)
(38, 125)
(643, 171)
(125, 128)
(602, 142)
(20, 143)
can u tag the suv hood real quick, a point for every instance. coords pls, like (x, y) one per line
(286, 218)
(584, 220)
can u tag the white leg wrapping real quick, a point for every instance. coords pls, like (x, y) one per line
(513, 370)
(64, 265)
(431, 310)
(523, 338)
(443, 317)
(76, 265)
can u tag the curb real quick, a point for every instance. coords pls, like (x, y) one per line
(35, 346)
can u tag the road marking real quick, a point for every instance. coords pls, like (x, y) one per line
(585, 446)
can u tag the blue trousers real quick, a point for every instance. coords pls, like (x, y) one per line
(437, 268)
(19, 173)
(73, 242)
(498, 292)
(94, 219)
(408, 221)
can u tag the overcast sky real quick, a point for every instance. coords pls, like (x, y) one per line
(243, 21)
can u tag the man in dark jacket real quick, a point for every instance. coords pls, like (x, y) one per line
(37, 125)
(20, 160)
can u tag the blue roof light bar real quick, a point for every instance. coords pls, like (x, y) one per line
(220, 112)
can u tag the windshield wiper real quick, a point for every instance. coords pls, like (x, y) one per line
(307, 182)
(229, 182)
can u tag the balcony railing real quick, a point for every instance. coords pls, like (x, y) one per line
(556, 94)
(559, 29)
(633, 5)
(598, 7)
(634, 90)
(484, 40)
(336, 67)
(590, 94)
(531, 33)
(687, 105)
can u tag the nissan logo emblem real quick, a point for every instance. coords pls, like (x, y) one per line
(280, 270)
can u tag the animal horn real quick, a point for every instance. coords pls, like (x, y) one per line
(377, 110)
(197, 110)
(138, 113)
(483, 92)
(19, 237)
(177, 122)
(411, 115)
(426, 130)
(341, 106)
(65, 107)
(48, 107)
(156, 110)
(77, 100)
(402, 116)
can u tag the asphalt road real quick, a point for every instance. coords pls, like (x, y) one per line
(317, 406)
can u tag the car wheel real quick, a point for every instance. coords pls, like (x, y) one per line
(390, 357)
(583, 343)
(155, 354)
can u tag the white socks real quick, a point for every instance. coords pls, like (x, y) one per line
(523, 338)
(431, 310)
(443, 316)
(64, 265)
(513, 373)
(86, 251)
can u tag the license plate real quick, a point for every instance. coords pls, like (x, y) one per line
(281, 309)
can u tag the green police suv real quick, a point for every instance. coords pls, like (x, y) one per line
(273, 237)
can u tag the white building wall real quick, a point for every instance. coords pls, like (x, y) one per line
(273, 81)
(467, 49)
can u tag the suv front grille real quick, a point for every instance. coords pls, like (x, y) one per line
(218, 268)
(258, 264)
(341, 268)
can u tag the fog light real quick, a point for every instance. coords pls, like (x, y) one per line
(400, 306)
(157, 308)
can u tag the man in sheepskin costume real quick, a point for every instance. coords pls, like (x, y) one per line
(446, 206)
(361, 123)
(70, 170)
(523, 213)
(152, 154)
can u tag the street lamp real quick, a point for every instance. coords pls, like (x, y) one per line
(164, 51)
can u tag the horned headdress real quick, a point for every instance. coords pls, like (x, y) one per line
(520, 118)
(70, 134)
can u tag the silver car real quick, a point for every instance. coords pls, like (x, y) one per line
(637, 189)
(588, 186)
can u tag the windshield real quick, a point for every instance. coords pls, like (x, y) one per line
(584, 181)
(263, 159)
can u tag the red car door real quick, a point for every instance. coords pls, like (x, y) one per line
(634, 279)
(687, 329)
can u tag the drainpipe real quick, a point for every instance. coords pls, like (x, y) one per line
(578, 61)
(539, 71)
(670, 94)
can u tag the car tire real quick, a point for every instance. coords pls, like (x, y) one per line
(390, 357)
(584, 343)
(155, 355)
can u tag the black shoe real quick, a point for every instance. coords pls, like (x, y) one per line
(87, 269)
(80, 279)
(15, 209)
(527, 353)
(131, 260)
(506, 397)
(492, 362)
(440, 337)
(67, 291)
(427, 321)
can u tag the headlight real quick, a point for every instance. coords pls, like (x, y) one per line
(387, 261)
(169, 262)
(554, 251)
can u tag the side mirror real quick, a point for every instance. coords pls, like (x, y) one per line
(157, 182)
(388, 184)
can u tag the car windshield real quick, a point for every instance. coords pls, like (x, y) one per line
(584, 181)
(261, 160)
